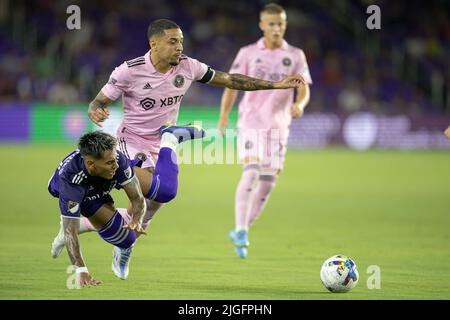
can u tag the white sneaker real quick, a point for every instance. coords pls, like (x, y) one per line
(58, 243)
(121, 262)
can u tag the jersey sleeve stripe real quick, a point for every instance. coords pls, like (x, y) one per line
(127, 182)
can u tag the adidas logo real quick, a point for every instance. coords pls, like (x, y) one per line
(147, 86)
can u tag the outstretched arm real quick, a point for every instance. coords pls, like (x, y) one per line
(238, 81)
(98, 109)
(71, 228)
(138, 206)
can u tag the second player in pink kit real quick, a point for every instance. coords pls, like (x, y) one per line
(264, 118)
(152, 87)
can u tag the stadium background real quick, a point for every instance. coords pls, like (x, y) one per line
(383, 91)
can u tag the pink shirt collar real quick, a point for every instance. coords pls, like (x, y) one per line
(261, 45)
(152, 67)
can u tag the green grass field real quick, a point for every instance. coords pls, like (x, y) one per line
(384, 208)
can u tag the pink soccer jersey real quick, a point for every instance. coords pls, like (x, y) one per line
(268, 109)
(150, 98)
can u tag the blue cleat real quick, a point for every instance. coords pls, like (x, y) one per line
(240, 240)
(183, 133)
(242, 252)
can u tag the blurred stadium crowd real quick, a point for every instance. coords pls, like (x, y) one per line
(402, 68)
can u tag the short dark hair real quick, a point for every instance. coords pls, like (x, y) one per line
(157, 27)
(95, 143)
(272, 8)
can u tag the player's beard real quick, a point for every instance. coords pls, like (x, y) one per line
(174, 63)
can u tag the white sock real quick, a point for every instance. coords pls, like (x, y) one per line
(152, 207)
(85, 226)
(168, 140)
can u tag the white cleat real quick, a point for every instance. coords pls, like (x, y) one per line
(58, 243)
(121, 262)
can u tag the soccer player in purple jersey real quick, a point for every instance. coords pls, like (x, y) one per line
(264, 118)
(83, 181)
(152, 87)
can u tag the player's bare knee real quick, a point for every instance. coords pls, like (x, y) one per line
(150, 169)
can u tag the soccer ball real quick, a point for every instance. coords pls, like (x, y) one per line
(339, 274)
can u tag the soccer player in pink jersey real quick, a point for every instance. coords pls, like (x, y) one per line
(264, 118)
(152, 88)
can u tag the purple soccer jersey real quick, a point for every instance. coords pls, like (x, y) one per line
(81, 193)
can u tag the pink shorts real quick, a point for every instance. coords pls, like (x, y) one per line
(133, 145)
(264, 147)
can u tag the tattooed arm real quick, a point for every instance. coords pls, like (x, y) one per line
(71, 228)
(98, 109)
(238, 81)
(138, 206)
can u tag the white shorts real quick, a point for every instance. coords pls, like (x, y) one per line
(266, 148)
(133, 146)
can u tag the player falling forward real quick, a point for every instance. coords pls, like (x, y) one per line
(264, 118)
(83, 181)
(152, 88)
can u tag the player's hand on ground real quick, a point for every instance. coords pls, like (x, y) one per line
(222, 125)
(85, 280)
(136, 226)
(447, 132)
(98, 115)
(296, 111)
(290, 82)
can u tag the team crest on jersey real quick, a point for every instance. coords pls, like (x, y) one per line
(147, 103)
(248, 145)
(127, 172)
(287, 61)
(140, 156)
(178, 81)
(73, 206)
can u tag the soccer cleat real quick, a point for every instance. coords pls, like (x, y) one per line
(240, 240)
(58, 243)
(121, 262)
(183, 133)
(241, 252)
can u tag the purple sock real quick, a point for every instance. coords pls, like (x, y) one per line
(114, 233)
(165, 178)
